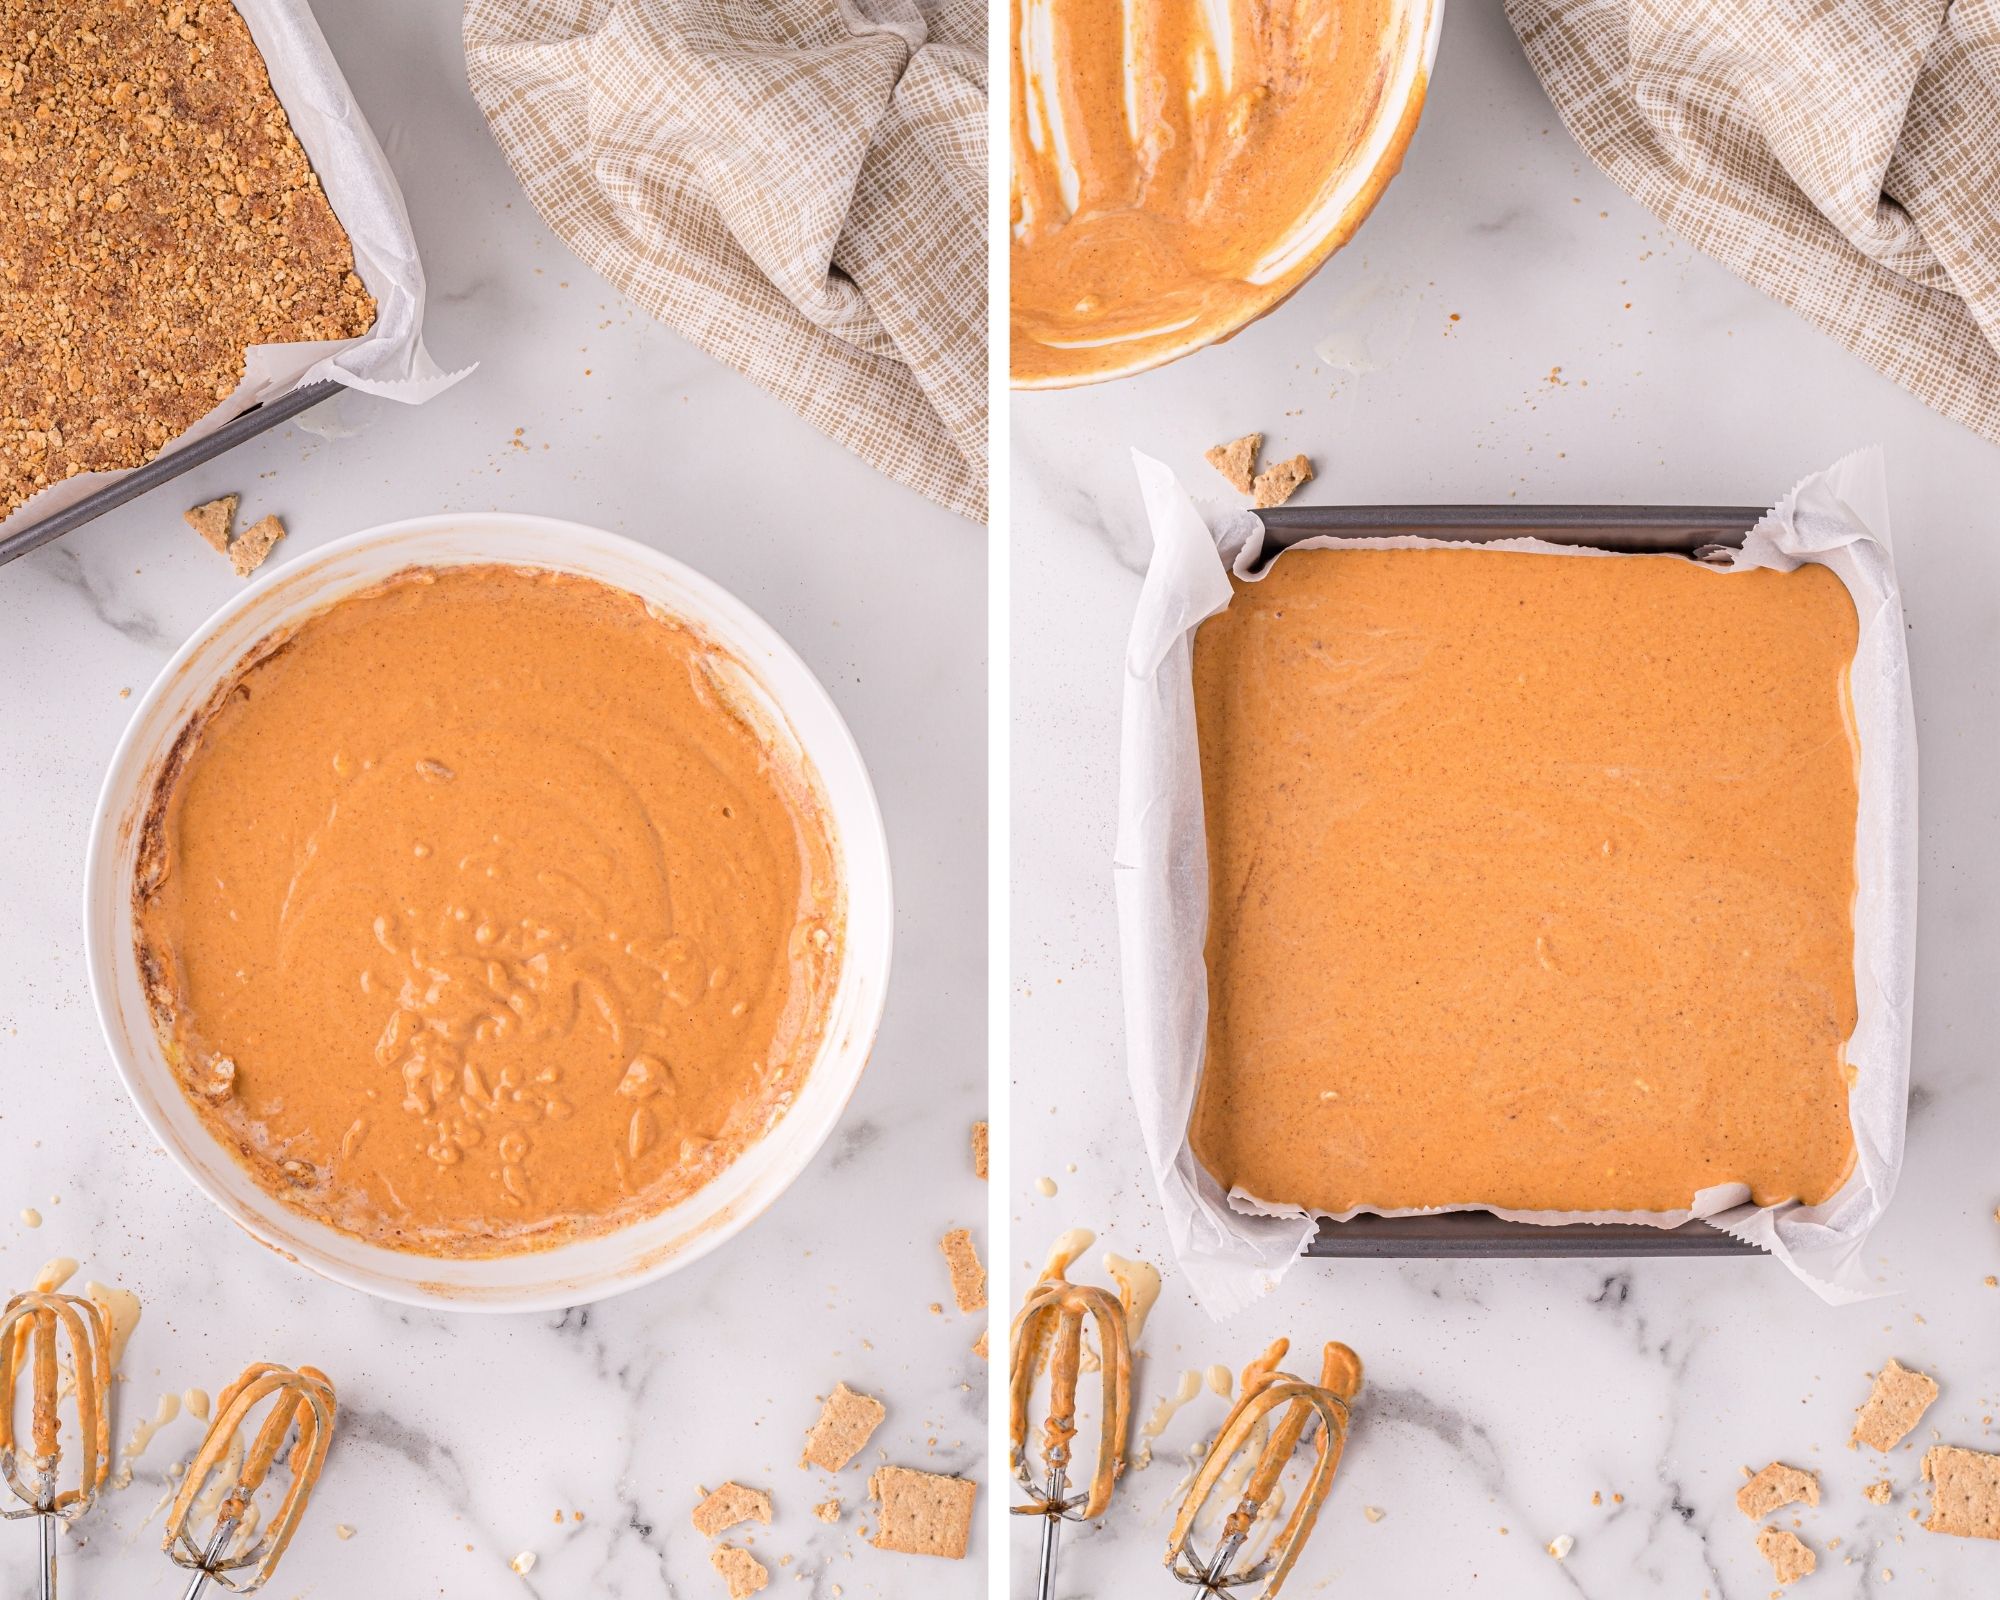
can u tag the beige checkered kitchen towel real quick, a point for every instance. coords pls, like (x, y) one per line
(798, 186)
(1842, 155)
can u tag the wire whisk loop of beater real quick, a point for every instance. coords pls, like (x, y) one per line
(296, 1428)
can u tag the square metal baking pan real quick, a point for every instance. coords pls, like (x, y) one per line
(171, 463)
(1638, 530)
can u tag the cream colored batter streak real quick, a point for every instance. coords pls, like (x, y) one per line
(1156, 204)
(1531, 881)
(476, 916)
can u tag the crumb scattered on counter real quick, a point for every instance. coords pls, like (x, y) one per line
(1776, 1486)
(1561, 1545)
(30, 1217)
(979, 1149)
(1880, 1493)
(968, 1277)
(1281, 480)
(524, 1563)
(845, 1424)
(249, 548)
(212, 520)
(1237, 461)
(828, 1510)
(1790, 1557)
(742, 1571)
(1046, 1188)
(724, 1508)
(979, 1346)
(1373, 1513)
(922, 1513)
(1965, 1492)
(342, 1530)
(1893, 1408)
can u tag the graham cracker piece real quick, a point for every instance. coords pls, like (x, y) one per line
(1278, 482)
(1776, 1486)
(212, 521)
(1965, 1492)
(923, 1514)
(1880, 1493)
(1790, 1556)
(979, 1344)
(1237, 460)
(729, 1505)
(249, 548)
(1894, 1407)
(742, 1571)
(979, 1150)
(828, 1510)
(845, 1424)
(968, 1277)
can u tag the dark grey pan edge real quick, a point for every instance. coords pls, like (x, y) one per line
(163, 467)
(1479, 1235)
(1651, 529)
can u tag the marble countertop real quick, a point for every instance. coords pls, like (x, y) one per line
(466, 1440)
(1530, 335)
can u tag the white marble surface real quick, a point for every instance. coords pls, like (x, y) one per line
(1502, 1397)
(461, 1437)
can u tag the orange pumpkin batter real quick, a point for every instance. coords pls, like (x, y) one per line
(476, 914)
(1531, 881)
(1172, 161)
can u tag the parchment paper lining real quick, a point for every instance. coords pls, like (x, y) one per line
(1232, 1246)
(389, 359)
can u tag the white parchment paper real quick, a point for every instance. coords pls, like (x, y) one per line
(1234, 1247)
(389, 359)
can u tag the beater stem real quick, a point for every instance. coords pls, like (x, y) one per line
(225, 1530)
(1051, 1526)
(47, 1520)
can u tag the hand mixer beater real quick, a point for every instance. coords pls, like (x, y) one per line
(56, 1337)
(1050, 1328)
(1258, 1438)
(238, 1553)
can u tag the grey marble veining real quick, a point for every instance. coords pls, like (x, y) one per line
(462, 1437)
(1509, 327)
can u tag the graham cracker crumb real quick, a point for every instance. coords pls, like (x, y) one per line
(742, 1571)
(922, 1513)
(979, 1150)
(828, 1510)
(729, 1505)
(968, 1277)
(1278, 482)
(1790, 1557)
(1776, 1486)
(979, 1346)
(1880, 1493)
(1893, 1408)
(160, 219)
(845, 1424)
(249, 548)
(1965, 1492)
(1237, 460)
(212, 521)
(1373, 1513)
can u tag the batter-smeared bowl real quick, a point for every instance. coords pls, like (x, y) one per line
(1179, 169)
(545, 1267)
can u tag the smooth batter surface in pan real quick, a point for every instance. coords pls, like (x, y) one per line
(476, 917)
(1531, 881)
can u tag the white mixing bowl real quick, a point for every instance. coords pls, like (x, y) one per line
(586, 1269)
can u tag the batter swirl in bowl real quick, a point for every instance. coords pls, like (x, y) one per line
(481, 910)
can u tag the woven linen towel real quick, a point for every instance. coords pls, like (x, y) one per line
(798, 186)
(1844, 158)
